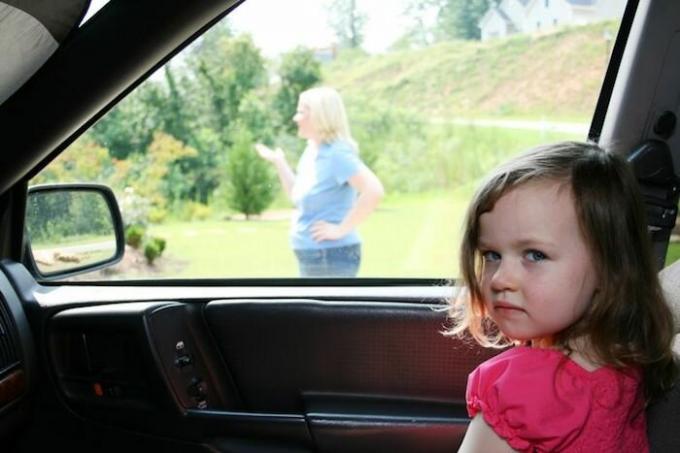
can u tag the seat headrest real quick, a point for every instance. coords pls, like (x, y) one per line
(669, 277)
(30, 32)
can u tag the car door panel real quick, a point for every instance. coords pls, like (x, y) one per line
(362, 372)
(301, 373)
(17, 360)
(356, 348)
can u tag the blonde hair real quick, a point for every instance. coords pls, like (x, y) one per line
(628, 322)
(328, 115)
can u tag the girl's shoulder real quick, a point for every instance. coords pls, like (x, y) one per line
(522, 365)
(525, 355)
(527, 392)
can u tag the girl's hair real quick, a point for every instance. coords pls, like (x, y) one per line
(628, 322)
(328, 115)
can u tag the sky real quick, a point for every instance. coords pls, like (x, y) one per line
(278, 26)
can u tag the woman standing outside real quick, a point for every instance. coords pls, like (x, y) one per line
(332, 189)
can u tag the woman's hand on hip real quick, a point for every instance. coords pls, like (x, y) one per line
(324, 231)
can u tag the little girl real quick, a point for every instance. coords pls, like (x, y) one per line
(556, 260)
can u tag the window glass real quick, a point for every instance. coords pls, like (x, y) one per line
(95, 5)
(435, 93)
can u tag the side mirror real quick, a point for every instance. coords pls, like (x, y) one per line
(72, 229)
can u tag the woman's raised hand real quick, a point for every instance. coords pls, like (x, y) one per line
(268, 154)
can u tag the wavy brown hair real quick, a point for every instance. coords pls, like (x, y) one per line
(628, 322)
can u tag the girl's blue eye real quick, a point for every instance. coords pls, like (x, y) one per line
(536, 255)
(490, 256)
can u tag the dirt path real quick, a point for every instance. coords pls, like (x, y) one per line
(134, 265)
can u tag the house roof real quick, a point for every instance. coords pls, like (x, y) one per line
(505, 16)
(495, 9)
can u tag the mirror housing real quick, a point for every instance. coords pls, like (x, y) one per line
(71, 229)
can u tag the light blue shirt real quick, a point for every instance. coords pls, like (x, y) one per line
(322, 192)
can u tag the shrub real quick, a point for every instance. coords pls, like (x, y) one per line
(152, 251)
(134, 235)
(157, 214)
(134, 207)
(154, 248)
(250, 187)
(193, 210)
(160, 242)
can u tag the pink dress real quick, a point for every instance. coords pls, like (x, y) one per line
(539, 400)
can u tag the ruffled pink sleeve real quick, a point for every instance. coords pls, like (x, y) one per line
(530, 398)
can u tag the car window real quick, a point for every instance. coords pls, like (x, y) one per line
(435, 95)
(95, 6)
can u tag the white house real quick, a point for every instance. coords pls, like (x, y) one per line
(527, 16)
(502, 19)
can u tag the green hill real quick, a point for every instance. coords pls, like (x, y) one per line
(555, 75)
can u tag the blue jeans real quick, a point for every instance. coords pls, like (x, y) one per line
(331, 262)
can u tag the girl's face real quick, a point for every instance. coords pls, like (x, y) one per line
(304, 122)
(538, 275)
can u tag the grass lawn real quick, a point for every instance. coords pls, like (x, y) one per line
(409, 236)
(673, 253)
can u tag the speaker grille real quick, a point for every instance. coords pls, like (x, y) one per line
(8, 351)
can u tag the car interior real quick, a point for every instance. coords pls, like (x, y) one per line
(246, 365)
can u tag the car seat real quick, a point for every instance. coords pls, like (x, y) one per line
(664, 415)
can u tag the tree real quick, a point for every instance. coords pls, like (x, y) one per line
(299, 71)
(236, 68)
(227, 69)
(128, 128)
(250, 187)
(347, 22)
(85, 160)
(150, 171)
(459, 19)
(199, 174)
(420, 31)
(177, 120)
(196, 102)
(220, 71)
(255, 115)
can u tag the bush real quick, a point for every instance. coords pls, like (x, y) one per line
(134, 207)
(157, 214)
(152, 251)
(160, 242)
(250, 185)
(193, 210)
(134, 235)
(154, 248)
